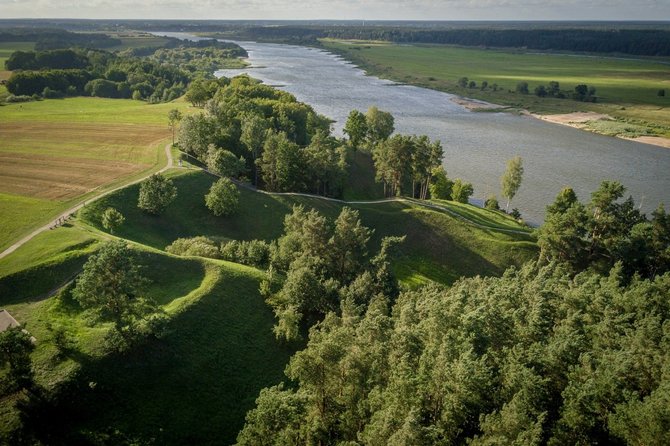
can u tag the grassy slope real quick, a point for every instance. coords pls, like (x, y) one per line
(121, 120)
(438, 247)
(630, 83)
(193, 385)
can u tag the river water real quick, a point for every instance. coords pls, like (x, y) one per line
(476, 145)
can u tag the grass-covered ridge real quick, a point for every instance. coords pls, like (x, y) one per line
(439, 246)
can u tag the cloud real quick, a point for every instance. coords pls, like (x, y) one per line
(342, 9)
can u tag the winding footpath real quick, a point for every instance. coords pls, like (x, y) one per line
(65, 215)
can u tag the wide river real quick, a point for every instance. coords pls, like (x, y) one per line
(476, 145)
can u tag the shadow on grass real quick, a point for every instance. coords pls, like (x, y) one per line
(193, 385)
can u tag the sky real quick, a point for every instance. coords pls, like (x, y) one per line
(341, 9)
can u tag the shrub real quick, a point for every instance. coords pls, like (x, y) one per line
(253, 253)
(522, 87)
(492, 203)
(112, 219)
(541, 91)
(195, 246)
(19, 98)
(461, 191)
(48, 93)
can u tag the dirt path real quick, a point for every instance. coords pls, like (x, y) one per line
(65, 215)
(386, 200)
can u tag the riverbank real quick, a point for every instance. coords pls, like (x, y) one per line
(579, 120)
(589, 120)
(631, 103)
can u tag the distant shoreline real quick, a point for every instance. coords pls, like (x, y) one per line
(578, 120)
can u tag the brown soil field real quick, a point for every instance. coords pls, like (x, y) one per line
(107, 133)
(58, 178)
(61, 161)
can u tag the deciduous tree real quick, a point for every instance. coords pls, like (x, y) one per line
(511, 179)
(111, 284)
(112, 219)
(223, 198)
(156, 193)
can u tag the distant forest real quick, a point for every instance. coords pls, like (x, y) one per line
(642, 42)
(633, 38)
(49, 39)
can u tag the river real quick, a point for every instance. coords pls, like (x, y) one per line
(476, 145)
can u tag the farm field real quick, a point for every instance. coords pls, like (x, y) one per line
(626, 89)
(136, 40)
(56, 152)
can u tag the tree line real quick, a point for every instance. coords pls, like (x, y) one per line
(52, 38)
(71, 72)
(284, 144)
(250, 131)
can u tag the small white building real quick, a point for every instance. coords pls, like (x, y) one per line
(7, 321)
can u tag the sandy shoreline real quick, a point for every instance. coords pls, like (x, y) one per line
(576, 120)
(475, 104)
(579, 120)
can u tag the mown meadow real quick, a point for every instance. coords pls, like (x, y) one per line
(55, 153)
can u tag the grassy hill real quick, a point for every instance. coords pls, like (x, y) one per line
(439, 246)
(193, 384)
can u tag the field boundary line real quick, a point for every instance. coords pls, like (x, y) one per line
(68, 213)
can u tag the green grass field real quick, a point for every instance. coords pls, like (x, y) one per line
(626, 89)
(55, 153)
(439, 246)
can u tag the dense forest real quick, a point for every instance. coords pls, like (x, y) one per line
(545, 354)
(638, 42)
(642, 42)
(47, 39)
(161, 76)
